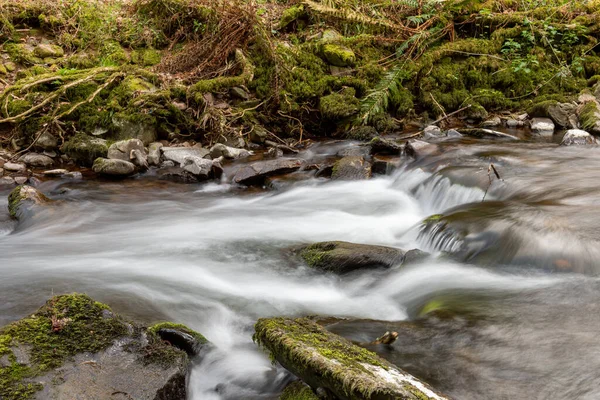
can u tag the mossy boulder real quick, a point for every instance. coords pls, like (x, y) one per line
(343, 257)
(23, 199)
(559, 113)
(340, 56)
(113, 167)
(332, 364)
(74, 347)
(290, 15)
(298, 391)
(84, 149)
(589, 117)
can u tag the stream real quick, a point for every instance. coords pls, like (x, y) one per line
(518, 272)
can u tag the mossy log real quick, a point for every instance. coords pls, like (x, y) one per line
(330, 363)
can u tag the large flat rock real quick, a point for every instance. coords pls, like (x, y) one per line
(255, 173)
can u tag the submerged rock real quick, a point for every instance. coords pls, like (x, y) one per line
(332, 365)
(231, 153)
(76, 348)
(23, 198)
(255, 173)
(113, 167)
(351, 168)
(343, 257)
(418, 148)
(574, 137)
(432, 132)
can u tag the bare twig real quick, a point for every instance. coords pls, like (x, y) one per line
(491, 169)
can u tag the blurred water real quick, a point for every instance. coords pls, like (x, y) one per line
(214, 256)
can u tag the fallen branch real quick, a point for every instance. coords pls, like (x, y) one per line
(491, 169)
(437, 121)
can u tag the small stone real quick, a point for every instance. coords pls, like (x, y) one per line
(154, 153)
(51, 154)
(21, 180)
(239, 93)
(15, 167)
(36, 160)
(491, 123)
(258, 134)
(577, 137)
(55, 172)
(178, 154)
(48, 50)
(47, 141)
(232, 153)
(432, 132)
(513, 123)
(122, 150)
(179, 105)
(10, 66)
(138, 158)
(453, 133)
(542, 125)
(113, 167)
(273, 152)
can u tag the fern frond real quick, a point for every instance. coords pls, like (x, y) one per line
(377, 100)
(351, 15)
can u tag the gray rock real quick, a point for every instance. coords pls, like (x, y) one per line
(199, 167)
(351, 168)
(514, 123)
(240, 93)
(255, 173)
(258, 134)
(139, 159)
(154, 153)
(55, 172)
(343, 257)
(178, 154)
(418, 148)
(491, 123)
(122, 150)
(542, 125)
(14, 167)
(432, 132)
(36, 160)
(21, 180)
(380, 145)
(47, 141)
(561, 114)
(273, 152)
(7, 181)
(50, 153)
(176, 174)
(577, 137)
(167, 164)
(414, 256)
(134, 130)
(453, 133)
(231, 153)
(113, 167)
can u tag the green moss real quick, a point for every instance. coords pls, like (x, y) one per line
(540, 109)
(339, 56)
(290, 15)
(433, 218)
(298, 391)
(362, 133)
(85, 149)
(24, 193)
(80, 325)
(589, 116)
(145, 57)
(20, 53)
(338, 106)
(180, 327)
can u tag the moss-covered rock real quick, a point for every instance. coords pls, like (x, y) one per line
(48, 51)
(85, 149)
(290, 15)
(74, 346)
(145, 57)
(330, 362)
(298, 391)
(23, 198)
(340, 56)
(343, 257)
(589, 117)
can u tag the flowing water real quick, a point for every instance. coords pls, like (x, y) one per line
(517, 272)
